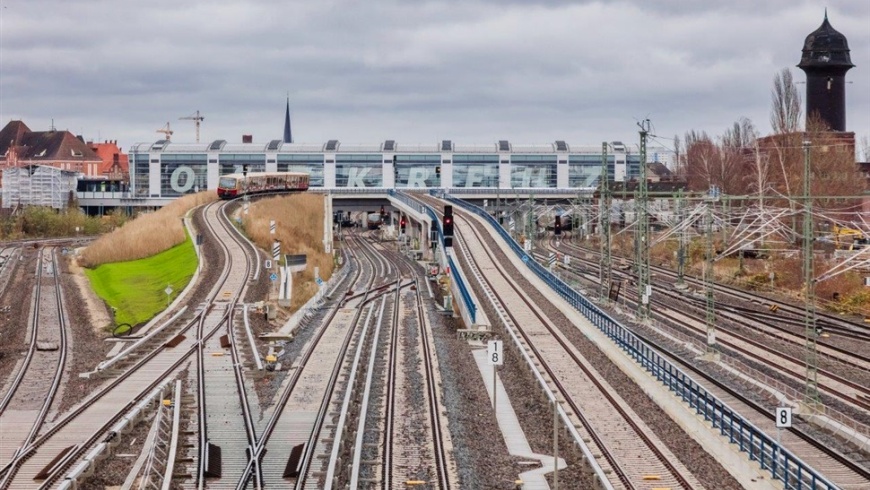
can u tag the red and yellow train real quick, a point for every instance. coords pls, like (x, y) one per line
(234, 185)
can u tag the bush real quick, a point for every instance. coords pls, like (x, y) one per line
(46, 222)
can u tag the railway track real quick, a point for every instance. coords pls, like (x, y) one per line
(845, 380)
(761, 305)
(76, 443)
(413, 445)
(25, 406)
(8, 257)
(226, 423)
(629, 449)
(837, 466)
(303, 403)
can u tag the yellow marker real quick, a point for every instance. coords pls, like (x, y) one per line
(415, 482)
(167, 403)
(217, 354)
(825, 335)
(271, 358)
(652, 477)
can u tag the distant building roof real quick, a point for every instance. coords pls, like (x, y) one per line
(660, 170)
(44, 145)
(111, 155)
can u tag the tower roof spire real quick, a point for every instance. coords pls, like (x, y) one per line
(825, 47)
(288, 135)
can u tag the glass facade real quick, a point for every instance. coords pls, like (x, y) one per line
(418, 171)
(475, 171)
(585, 170)
(533, 171)
(359, 170)
(233, 164)
(310, 164)
(183, 174)
(633, 165)
(139, 174)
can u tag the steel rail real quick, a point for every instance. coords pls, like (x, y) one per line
(31, 348)
(61, 363)
(654, 449)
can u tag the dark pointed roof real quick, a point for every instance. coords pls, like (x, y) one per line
(288, 136)
(825, 47)
(12, 134)
(44, 145)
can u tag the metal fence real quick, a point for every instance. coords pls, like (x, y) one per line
(782, 464)
(454, 271)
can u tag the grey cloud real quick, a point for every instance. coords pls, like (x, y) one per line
(415, 71)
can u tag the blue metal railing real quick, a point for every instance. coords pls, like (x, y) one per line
(454, 271)
(782, 464)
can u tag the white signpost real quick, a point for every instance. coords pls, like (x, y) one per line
(267, 264)
(168, 292)
(783, 421)
(495, 355)
(783, 417)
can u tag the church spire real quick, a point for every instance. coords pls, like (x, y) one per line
(288, 136)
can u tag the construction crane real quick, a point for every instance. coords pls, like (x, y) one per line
(167, 131)
(196, 118)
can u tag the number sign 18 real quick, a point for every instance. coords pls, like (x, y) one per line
(494, 352)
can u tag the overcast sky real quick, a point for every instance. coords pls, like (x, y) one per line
(416, 71)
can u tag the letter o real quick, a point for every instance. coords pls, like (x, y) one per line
(190, 179)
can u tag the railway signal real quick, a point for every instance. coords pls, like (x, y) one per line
(402, 225)
(447, 225)
(557, 226)
(447, 220)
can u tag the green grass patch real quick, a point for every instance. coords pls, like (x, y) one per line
(137, 288)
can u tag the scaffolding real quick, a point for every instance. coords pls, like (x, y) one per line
(38, 185)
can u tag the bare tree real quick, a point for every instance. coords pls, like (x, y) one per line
(864, 147)
(785, 113)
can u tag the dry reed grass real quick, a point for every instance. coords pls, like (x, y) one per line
(299, 220)
(146, 235)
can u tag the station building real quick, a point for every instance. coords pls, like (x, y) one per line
(166, 169)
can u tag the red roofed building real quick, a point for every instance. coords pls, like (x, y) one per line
(20, 147)
(115, 164)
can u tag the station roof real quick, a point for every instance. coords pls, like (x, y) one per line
(387, 146)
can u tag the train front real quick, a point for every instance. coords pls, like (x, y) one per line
(228, 187)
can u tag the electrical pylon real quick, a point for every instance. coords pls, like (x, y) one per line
(681, 252)
(811, 393)
(709, 279)
(644, 287)
(604, 228)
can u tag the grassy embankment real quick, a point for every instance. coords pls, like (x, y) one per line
(299, 220)
(131, 267)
